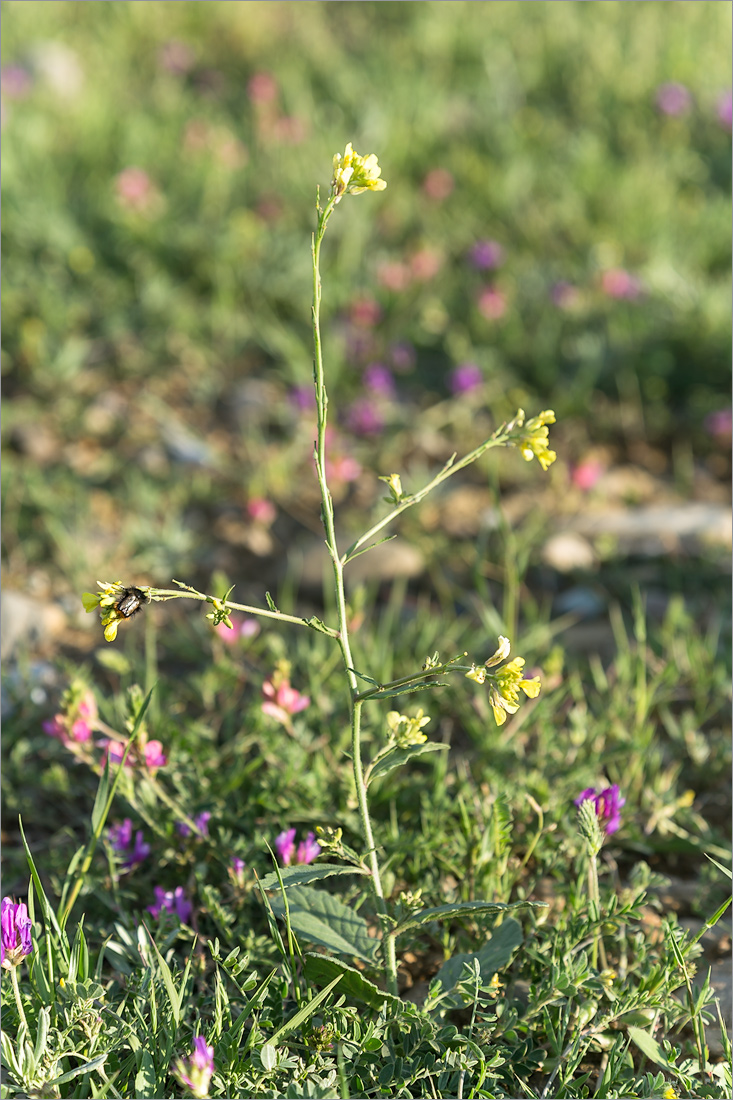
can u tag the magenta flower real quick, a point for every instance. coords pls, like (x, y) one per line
(379, 380)
(465, 377)
(120, 837)
(673, 99)
(586, 474)
(282, 701)
(486, 255)
(196, 1071)
(364, 418)
(725, 109)
(173, 901)
(608, 804)
(201, 822)
(114, 751)
(308, 849)
(236, 870)
(247, 627)
(154, 757)
(618, 283)
(365, 312)
(394, 275)
(15, 937)
(285, 846)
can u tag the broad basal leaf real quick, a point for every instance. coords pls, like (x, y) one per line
(324, 919)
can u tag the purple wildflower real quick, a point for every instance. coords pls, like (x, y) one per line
(173, 901)
(285, 846)
(236, 870)
(302, 398)
(120, 837)
(608, 804)
(308, 849)
(201, 822)
(564, 295)
(196, 1071)
(718, 423)
(486, 255)
(465, 377)
(15, 81)
(15, 939)
(379, 380)
(725, 109)
(618, 283)
(364, 418)
(673, 99)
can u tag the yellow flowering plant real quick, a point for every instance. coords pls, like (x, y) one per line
(354, 174)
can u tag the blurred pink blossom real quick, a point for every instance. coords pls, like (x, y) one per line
(282, 701)
(15, 81)
(492, 303)
(438, 184)
(365, 312)
(585, 475)
(154, 757)
(673, 99)
(425, 264)
(135, 189)
(394, 276)
(342, 468)
(725, 109)
(247, 627)
(176, 57)
(290, 129)
(261, 511)
(262, 88)
(618, 283)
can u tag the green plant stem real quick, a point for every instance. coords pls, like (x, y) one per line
(327, 516)
(191, 594)
(414, 677)
(16, 993)
(594, 896)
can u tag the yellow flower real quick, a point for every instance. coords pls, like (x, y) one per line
(406, 731)
(353, 174)
(90, 600)
(506, 682)
(670, 1094)
(395, 487)
(533, 438)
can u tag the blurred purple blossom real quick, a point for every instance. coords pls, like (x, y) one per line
(196, 1071)
(236, 870)
(673, 99)
(486, 255)
(378, 378)
(608, 804)
(364, 418)
(403, 356)
(465, 377)
(302, 398)
(718, 424)
(15, 81)
(201, 822)
(173, 901)
(120, 837)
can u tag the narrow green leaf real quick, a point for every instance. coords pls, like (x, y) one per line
(173, 996)
(461, 909)
(100, 801)
(270, 602)
(726, 870)
(145, 1078)
(86, 1068)
(49, 917)
(351, 554)
(400, 756)
(299, 876)
(406, 689)
(322, 968)
(324, 919)
(306, 1011)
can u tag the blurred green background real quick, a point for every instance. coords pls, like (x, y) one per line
(556, 226)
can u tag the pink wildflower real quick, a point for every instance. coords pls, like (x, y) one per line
(492, 303)
(282, 701)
